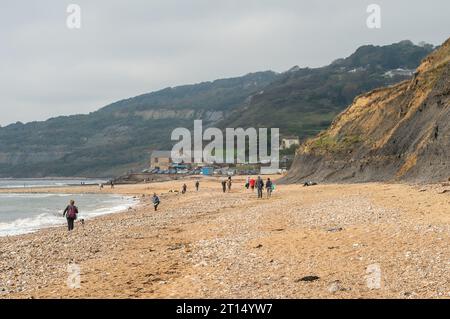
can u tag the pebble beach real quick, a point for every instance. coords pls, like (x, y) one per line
(322, 241)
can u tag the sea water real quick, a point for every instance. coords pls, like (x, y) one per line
(45, 182)
(25, 213)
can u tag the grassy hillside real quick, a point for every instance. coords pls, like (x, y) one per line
(121, 136)
(305, 101)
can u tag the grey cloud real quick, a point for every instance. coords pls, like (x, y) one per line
(131, 47)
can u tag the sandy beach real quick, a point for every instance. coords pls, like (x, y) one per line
(322, 241)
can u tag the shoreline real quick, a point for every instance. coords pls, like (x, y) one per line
(45, 220)
(214, 245)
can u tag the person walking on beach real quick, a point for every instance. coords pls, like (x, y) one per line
(155, 201)
(70, 213)
(229, 183)
(197, 185)
(269, 187)
(224, 186)
(260, 186)
(184, 189)
(247, 182)
(252, 184)
(112, 184)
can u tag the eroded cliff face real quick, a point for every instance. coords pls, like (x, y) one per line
(400, 132)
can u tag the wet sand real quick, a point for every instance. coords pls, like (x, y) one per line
(323, 241)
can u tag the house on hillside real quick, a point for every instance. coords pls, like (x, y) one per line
(287, 142)
(400, 72)
(161, 160)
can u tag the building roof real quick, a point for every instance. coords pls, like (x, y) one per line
(161, 154)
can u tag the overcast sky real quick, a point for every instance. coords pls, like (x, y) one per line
(126, 48)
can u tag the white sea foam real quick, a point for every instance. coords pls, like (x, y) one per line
(28, 225)
(25, 213)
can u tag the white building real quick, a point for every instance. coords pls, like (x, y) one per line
(401, 72)
(287, 142)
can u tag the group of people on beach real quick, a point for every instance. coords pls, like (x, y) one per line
(111, 183)
(71, 211)
(250, 183)
(259, 184)
(184, 187)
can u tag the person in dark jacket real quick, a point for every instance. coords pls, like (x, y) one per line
(197, 185)
(260, 186)
(70, 213)
(224, 186)
(269, 187)
(155, 201)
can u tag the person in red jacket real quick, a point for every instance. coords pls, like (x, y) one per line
(252, 184)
